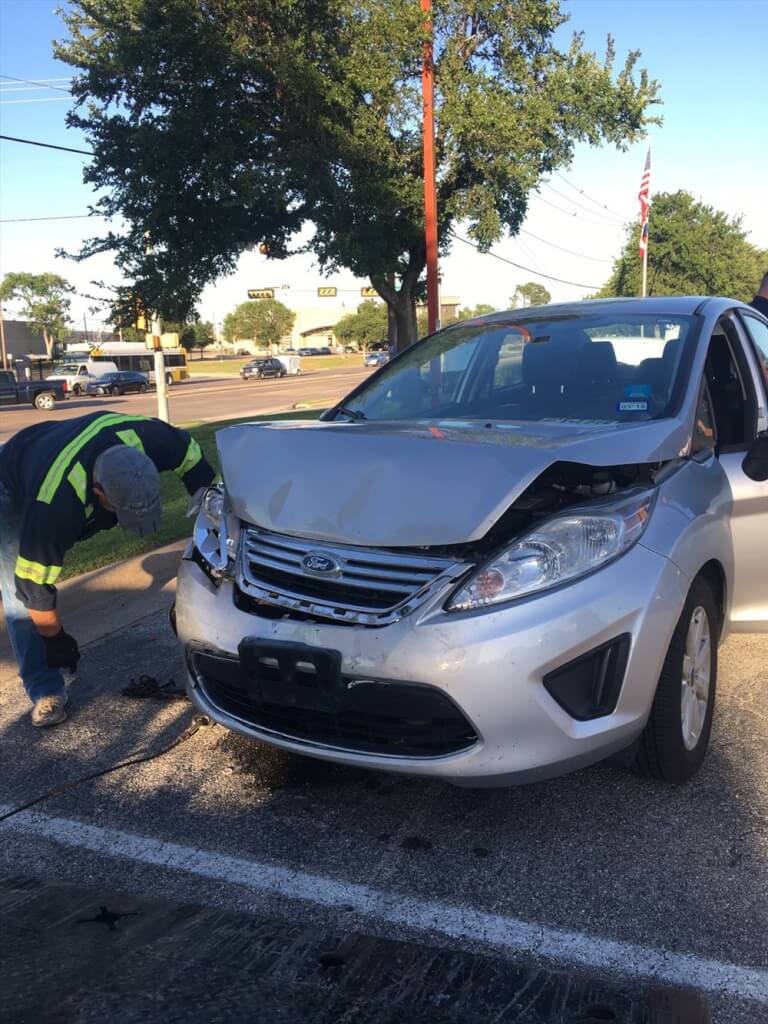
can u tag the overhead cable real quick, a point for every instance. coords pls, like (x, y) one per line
(591, 198)
(47, 145)
(42, 85)
(519, 266)
(571, 252)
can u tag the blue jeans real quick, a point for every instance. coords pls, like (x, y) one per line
(28, 647)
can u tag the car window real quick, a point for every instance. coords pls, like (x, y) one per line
(758, 331)
(588, 367)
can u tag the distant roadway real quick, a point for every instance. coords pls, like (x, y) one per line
(202, 399)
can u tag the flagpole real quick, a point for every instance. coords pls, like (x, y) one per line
(645, 269)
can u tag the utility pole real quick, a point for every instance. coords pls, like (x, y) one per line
(2, 338)
(430, 189)
(161, 385)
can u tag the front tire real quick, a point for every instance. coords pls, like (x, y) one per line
(77, 390)
(142, 389)
(675, 740)
(168, 379)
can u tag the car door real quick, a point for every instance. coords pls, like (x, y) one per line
(749, 513)
(7, 388)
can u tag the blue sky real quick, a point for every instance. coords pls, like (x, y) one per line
(709, 56)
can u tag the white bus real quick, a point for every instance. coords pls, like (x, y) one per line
(135, 356)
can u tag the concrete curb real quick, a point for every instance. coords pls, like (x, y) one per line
(106, 600)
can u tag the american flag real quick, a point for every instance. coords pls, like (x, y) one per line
(644, 195)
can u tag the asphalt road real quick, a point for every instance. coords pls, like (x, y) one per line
(600, 869)
(206, 399)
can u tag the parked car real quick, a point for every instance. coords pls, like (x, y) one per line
(120, 382)
(325, 351)
(43, 394)
(376, 359)
(349, 349)
(258, 368)
(309, 351)
(511, 553)
(79, 373)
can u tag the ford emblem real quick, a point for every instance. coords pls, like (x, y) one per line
(321, 564)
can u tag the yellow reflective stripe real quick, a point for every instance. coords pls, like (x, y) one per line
(131, 438)
(191, 459)
(88, 511)
(79, 480)
(55, 474)
(36, 572)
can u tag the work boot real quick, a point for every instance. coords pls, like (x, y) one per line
(49, 710)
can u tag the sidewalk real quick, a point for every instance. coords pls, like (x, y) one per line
(105, 601)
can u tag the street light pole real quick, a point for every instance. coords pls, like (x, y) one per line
(430, 189)
(2, 338)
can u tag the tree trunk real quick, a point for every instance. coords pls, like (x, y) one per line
(48, 343)
(404, 314)
(401, 308)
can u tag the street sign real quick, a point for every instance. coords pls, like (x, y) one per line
(369, 293)
(261, 293)
(326, 293)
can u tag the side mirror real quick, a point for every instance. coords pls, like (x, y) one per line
(755, 464)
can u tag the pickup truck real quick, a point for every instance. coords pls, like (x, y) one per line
(40, 393)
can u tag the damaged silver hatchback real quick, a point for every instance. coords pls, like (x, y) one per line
(512, 552)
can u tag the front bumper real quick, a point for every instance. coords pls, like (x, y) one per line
(489, 664)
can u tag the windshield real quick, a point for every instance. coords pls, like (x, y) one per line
(604, 368)
(67, 368)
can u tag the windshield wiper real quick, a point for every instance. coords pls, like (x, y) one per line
(355, 415)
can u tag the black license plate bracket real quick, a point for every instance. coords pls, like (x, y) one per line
(296, 675)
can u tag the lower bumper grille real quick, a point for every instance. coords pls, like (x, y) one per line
(388, 718)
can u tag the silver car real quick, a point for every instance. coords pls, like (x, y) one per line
(511, 552)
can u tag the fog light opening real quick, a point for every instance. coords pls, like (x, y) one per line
(589, 686)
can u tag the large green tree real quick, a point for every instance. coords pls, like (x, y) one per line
(45, 302)
(693, 249)
(220, 125)
(263, 321)
(368, 324)
(530, 294)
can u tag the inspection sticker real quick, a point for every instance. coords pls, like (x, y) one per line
(632, 407)
(637, 391)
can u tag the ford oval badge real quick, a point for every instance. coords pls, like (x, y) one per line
(320, 564)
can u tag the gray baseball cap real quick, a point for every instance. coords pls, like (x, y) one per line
(131, 483)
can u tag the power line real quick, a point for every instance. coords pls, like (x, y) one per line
(579, 206)
(572, 213)
(26, 220)
(37, 99)
(519, 266)
(591, 199)
(43, 85)
(47, 145)
(583, 255)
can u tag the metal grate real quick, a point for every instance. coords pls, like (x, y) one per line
(365, 586)
(394, 719)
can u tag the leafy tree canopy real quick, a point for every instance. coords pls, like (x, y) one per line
(45, 302)
(264, 321)
(367, 325)
(530, 294)
(693, 249)
(220, 126)
(469, 313)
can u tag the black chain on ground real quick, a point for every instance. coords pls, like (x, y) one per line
(148, 686)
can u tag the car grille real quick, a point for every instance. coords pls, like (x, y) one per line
(367, 586)
(373, 717)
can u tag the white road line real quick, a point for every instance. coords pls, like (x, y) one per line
(506, 933)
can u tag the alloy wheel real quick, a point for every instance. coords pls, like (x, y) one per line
(696, 680)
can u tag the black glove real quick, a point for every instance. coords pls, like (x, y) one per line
(61, 651)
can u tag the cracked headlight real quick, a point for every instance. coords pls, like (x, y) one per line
(215, 530)
(558, 551)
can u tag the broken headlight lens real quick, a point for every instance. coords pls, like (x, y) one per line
(558, 551)
(213, 533)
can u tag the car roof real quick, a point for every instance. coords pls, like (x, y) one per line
(657, 305)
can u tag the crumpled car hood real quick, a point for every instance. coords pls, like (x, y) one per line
(412, 484)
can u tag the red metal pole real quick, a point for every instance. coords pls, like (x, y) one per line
(430, 190)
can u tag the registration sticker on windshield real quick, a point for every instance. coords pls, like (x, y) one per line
(637, 406)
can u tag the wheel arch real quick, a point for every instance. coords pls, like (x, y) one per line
(714, 573)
